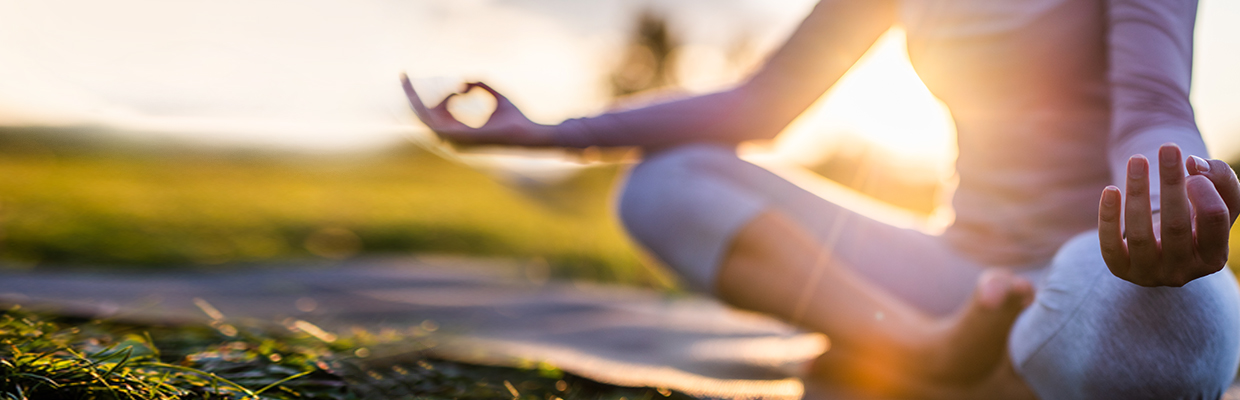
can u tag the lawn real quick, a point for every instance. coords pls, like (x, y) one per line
(66, 201)
(80, 197)
(74, 201)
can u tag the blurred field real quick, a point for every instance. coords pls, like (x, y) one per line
(68, 202)
(70, 199)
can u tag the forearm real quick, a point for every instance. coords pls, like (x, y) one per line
(826, 44)
(726, 116)
(1150, 53)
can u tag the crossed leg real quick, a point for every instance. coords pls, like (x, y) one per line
(882, 293)
(879, 343)
(896, 296)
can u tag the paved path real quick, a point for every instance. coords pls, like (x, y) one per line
(479, 311)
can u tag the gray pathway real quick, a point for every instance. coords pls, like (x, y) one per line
(479, 311)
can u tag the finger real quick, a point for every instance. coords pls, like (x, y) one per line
(1110, 233)
(415, 101)
(445, 125)
(484, 86)
(1176, 224)
(1197, 165)
(1224, 179)
(1213, 222)
(440, 111)
(1142, 246)
(438, 119)
(443, 119)
(501, 102)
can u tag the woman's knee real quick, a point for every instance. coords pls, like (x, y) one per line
(1168, 342)
(1091, 335)
(681, 206)
(670, 183)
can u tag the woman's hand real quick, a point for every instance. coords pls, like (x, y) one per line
(507, 125)
(1197, 213)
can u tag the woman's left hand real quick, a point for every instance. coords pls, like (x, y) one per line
(1197, 212)
(507, 126)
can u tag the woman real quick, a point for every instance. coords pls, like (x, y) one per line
(1054, 101)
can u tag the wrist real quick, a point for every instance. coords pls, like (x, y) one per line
(572, 133)
(539, 135)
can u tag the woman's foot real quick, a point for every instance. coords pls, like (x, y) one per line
(961, 350)
(967, 345)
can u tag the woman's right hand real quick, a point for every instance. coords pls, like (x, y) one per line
(1188, 239)
(506, 127)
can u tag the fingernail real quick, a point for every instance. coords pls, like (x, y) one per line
(1202, 165)
(1168, 156)
(1108, 195)
(1136, 166)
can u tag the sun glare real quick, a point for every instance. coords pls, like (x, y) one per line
(882, 101)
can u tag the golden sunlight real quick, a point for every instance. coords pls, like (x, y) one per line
(882, 101)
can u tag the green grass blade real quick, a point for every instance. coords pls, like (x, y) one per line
(214, 377)
(128, 353)
(277, 383)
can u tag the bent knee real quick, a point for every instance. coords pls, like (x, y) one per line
(672, 167)
(671, 184)
(1189, 354)
(1091, 335)
(682, 206)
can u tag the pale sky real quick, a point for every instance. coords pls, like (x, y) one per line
(323, 74)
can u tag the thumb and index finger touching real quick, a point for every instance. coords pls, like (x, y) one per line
(439, 118)
(500, 100)
(503, 107)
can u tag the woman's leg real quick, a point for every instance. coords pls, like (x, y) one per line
(761, 243)
(774, 267)
(686, 204)
(1091, 335)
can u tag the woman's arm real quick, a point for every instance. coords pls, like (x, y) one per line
(1150, 56)
(826, 44)
(1150, 61)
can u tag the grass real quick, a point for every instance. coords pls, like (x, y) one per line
(69, 197)
(66, 201)
(41, 359)
(44, 357)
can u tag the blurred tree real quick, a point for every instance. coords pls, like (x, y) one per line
(649, 62)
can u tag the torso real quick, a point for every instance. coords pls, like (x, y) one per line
(1025, 81)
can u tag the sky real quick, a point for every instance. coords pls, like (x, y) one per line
(322, 74)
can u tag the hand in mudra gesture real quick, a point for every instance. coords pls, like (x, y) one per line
(1197, 212)
(507, 125)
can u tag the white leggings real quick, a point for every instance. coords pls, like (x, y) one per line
(1088, 335)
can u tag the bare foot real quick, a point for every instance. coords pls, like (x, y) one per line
(961, 350)
(970, 343)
